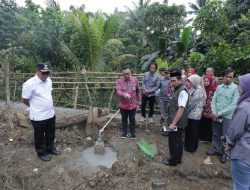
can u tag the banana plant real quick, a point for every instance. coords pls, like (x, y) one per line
(182, 45)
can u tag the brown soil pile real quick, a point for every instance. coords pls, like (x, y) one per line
(21, 169)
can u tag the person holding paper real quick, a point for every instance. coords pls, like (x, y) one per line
(177, 118)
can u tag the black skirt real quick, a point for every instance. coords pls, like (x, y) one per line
(205, 129)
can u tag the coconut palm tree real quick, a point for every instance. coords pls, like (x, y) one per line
(89, 37)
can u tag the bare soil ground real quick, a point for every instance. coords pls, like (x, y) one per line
(21, 169)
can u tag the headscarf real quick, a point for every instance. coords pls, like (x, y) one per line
(191, 70)
(197, 82)
(245, 86)
(211, 87)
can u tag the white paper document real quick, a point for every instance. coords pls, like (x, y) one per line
(167, 129)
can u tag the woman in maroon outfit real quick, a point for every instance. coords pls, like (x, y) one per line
(205, 129)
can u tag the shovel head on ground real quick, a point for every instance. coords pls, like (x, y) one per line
(92, 115)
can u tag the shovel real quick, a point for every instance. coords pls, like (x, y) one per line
(99, 145)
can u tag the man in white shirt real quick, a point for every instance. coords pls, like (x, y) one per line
(177, 118)
(37, 95)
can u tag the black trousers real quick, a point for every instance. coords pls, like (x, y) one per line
(192, 135)
(131, 115)
(175, 143)
(205, 129)
(44, 135)
(151, 102)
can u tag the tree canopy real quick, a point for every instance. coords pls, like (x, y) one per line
(71, 40)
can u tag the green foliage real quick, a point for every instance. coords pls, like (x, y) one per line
(178, 63)
(197, 7)
(71, 40)
(221, 57)
(23, 64)
(161, 64)
(235, 8)
(42, 32)
(161, 20)
(182, 44)
(125, 59)
(147, 59)
(9, 25)
(146, 147)
(211, 21)
(196, 60)
(90, 36)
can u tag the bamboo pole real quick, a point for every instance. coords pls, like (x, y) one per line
(76, 97)
(7, 88)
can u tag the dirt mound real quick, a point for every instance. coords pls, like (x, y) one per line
(21, 169)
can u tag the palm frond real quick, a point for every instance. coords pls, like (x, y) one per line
(69, 56)
(90, 39)
(111, 26)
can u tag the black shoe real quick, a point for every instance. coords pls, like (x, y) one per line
(223, 158)
(165, 134)
(212, 152)
(162, 120)
(44, 157)
(124, 136)
(54, 152)
(168, 162)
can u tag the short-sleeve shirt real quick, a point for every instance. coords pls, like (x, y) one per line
(183, 98)
(39, 94)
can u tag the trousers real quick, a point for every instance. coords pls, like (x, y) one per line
(44, 135)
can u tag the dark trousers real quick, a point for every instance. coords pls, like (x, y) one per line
(44, 135)
(151, 102)
(175, 143)
(131, 115)
(205, 129)
(192, 135)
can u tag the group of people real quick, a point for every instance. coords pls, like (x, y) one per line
(199, 107)
(193, 104)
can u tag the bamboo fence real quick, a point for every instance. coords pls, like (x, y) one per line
(69, 88)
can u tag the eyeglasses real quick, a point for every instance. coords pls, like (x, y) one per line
(45, 73)
(126, 74)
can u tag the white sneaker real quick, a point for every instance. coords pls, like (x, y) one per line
(142, 120)
(150, 120)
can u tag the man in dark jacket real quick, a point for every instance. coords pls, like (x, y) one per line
(177, 118)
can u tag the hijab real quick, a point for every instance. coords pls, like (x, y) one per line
(191, 70)
(211, 87)
(197, 82)
(245, 86)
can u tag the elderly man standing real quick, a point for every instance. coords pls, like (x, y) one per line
(177, 118)
(223, 107)
(127, 88)
(37, 95)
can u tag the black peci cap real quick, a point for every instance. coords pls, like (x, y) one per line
(175, 73)
(43, 67)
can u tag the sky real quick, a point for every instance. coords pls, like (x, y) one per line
(107, 6)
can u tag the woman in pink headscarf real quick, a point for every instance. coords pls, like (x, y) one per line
(190, 72)
(205, 129)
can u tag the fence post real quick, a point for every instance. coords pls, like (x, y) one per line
(7, 88)
(76, 97)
